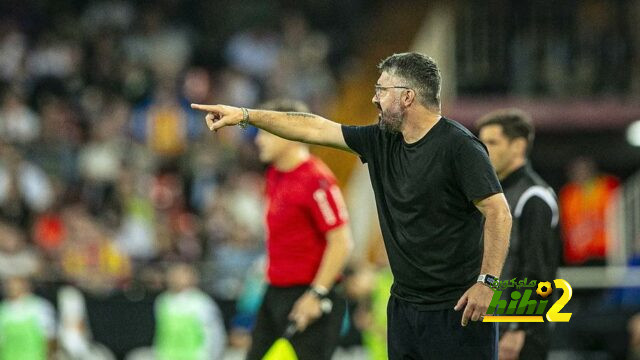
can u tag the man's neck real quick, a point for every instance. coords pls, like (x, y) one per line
(515, 165)
(291, 159)
(418, 123)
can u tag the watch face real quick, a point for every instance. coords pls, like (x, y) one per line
(490, 280)
(326, 305)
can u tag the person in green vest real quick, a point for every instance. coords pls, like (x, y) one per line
(27, 323)
(189, 325)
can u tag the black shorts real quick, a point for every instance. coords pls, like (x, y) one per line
(415, 334)
(319, 339)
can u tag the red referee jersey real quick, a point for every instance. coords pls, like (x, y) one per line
(302, 206)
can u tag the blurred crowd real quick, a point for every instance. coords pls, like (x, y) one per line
(106, 172)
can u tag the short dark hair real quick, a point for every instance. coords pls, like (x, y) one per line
(420, 71)
(515, 123)
(284, 104)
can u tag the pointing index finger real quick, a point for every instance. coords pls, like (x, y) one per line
(209, 108)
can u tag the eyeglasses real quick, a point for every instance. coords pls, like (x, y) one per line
(379, 88)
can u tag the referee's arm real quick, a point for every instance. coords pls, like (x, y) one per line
(336, 254)
(497, 228)
(307, 308)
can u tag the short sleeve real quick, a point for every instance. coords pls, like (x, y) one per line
(474, 171)
(47, 318)
(361, 139)
(327, 207)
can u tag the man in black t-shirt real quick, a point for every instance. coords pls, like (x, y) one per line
(534, 251)
(444, 219)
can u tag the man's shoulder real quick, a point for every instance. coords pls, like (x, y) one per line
(532, 178)
(456, 137)
(456, 133)
(535, 194)
(40, 303)
(315, 173)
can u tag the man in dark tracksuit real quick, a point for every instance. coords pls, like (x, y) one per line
(535, 245)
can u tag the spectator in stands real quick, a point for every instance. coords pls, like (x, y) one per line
(165, 122)
(90, 257)
(189, 325)
(25, 189)
(27, 323)
(16, 258)
(18, 123)
(584, 203)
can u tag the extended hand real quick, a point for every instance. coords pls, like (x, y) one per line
(475, 302)
(306, 310)
(511, 344)
(219, 116)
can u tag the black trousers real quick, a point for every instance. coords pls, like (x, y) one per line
(536, 343)
(317, 341)
(415, 334)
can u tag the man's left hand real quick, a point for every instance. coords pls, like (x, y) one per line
(475, 302)
(306, 310)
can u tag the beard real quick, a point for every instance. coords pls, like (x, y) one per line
(391, 120)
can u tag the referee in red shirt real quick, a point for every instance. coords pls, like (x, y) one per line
(308, 244)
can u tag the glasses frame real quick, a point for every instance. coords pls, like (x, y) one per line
(378, 89)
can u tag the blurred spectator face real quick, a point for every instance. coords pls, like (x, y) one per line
(197, 85)
(18, 123)
(10, 239)
(271, 147)
(181, 277)
(15, 287)
(581, 170)
(166, 191)
(502, 150)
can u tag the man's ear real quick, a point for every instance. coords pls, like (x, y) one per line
(409, 97)
(521, 145)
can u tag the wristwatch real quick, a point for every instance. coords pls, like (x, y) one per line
(487, 279)
(321, 293)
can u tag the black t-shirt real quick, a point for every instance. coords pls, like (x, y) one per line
(424, 194)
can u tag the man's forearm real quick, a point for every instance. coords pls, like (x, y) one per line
(335, 257)
(296, 126)
(497, 229)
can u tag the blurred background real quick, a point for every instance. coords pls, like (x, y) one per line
(108, 178)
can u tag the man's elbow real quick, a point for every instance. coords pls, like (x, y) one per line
(504, 216)
(500, 215)
(505, 213)
(346, 241)
(341, 238)
(499, 209)
(349, 245)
